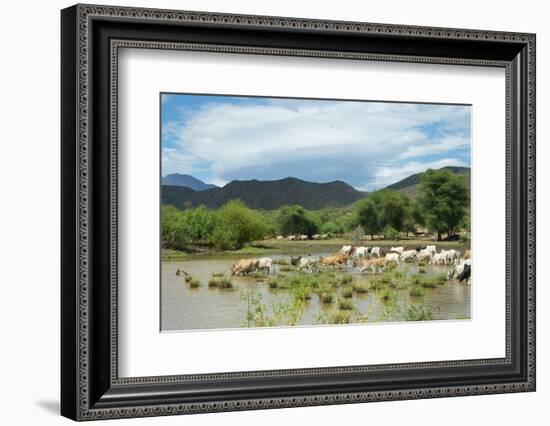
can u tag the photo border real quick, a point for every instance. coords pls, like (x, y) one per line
(91, 389)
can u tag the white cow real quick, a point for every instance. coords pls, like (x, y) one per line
(280, 237)
(424, 254)
(304, 237)
(451, 256)
(458, 269)
(291, 237)
(408, 255)
(307, 263)
(361, 252)
(431, 249)
(392, 257)
(438, 259)
(397, 250)
(375, 251)
(346, 250)
(264, 264)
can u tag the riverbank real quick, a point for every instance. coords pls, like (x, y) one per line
(274, 246)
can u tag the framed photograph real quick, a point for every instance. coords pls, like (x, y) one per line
(263, 212)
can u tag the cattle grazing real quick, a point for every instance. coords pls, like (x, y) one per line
(361, 252)
(264, 264)
(294, 260)
(373, 264)
(398, 250)
(304, 237)
(465, 275)
(375, 251)
(431, 249)
(458, 269)
(424, 255)
(408, 255)
(438, 259)
(244, 266)
(280, 237)
(291, 237)
(392, 257)
(419, 248)
(334, 260)
(307, 263)
(346, 249)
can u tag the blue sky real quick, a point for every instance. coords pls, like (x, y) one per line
(367, 144)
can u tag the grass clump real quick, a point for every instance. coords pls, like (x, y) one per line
(417, 313)
(345, 304)
(346, 279)
(194, 283)
(188, 278)
(222, 282)
(417, 291)
(361, 288)
(347, 292)
(421, 270)
(273, 282)
(389, 296)
(327, 298)
(218, 274)
(286, 268)
(281, 262)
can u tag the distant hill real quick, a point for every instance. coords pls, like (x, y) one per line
(189, 181)
(409, 185)
(267, 195)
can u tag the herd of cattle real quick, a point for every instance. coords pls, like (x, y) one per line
(367, 259)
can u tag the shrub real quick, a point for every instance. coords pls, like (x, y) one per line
(346, 279)
(416, 313)
(273, 282)
(281, 262)
(421, 270)
(188, 278)
(390, 233)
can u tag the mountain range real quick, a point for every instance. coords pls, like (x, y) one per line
(272, 194)
(189, 181)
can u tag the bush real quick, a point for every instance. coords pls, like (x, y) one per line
(416, 313)
(296, 220)
(346, 279)
(389, 296)
(390, 233)
(235, 224)
(273, 282)
(421, 270)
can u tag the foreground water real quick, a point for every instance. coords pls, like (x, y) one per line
(185, 308)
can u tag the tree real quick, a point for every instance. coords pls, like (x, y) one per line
(367, 216)
(444, 199)
(394, 209)
(296, 220)
(235, 225)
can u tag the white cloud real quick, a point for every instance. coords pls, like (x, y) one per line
(362, 143)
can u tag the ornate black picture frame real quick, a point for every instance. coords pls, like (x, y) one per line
(91, 36)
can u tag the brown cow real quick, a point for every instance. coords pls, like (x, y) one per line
(372, 264)
(467, 254)
(334, 260)
(245, 266)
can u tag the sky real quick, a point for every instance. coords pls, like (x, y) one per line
(366, 144)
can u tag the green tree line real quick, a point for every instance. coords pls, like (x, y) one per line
(441, 206)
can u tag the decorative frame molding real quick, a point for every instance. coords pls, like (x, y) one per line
(91, 388)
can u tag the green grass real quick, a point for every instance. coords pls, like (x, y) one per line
(220, 282)
(273, 282)
(327, 298)
(421, 270)
(417, 291)
(194, 283)
(347, 292)
(345, 304)
(346, 279)
(281, 262)
(188, 278)
(361, 288)
(218, 274)
(287, 268)
(389, 296)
